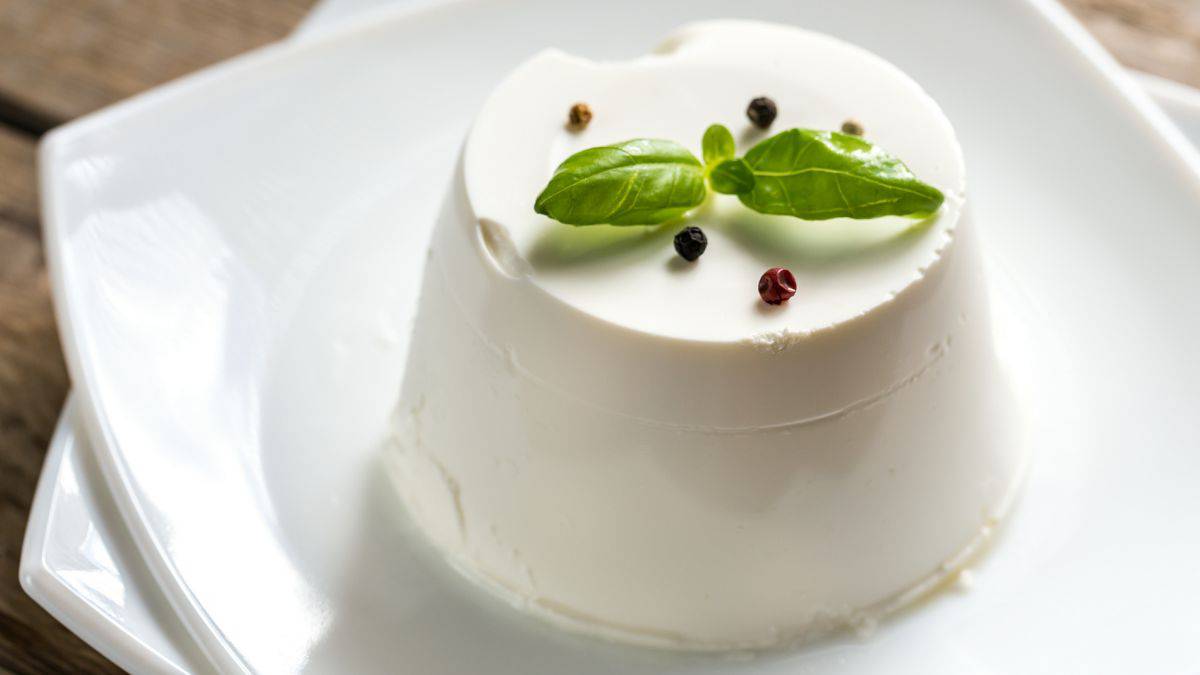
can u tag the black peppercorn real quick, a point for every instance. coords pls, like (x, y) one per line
(690, 243)
(762, 112)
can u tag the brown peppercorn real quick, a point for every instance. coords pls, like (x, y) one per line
(762, 112)
(579, 116)
(852, 127)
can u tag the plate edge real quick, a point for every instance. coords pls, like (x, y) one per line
(195, 618)
(118, 644)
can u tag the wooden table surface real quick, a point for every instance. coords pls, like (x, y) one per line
(62, 58)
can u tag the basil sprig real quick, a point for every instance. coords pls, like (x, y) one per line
(808, 174)
(816, 175)
(732, 177)
(726, 174)
(717, 145)
(640, 182)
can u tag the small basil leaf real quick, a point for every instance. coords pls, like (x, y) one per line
(717, 144)
(732, 177)
(638, 182)
(817, 175)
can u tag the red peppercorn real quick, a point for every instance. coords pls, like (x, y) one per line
(776, 285)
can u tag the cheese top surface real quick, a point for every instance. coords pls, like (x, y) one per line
(707, 73)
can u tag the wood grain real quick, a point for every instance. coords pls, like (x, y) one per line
(1156, 36)
(33, 383)
(62, 58)
(18, 191)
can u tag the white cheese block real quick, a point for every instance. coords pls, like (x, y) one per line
(638, 447)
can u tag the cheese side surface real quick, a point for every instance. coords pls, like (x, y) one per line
(638, 447)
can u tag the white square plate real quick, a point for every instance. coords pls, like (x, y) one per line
(225, 319)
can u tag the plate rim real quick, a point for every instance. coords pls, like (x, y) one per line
(1165, 90)
(39, 581)
(208, 636)
(201, 627)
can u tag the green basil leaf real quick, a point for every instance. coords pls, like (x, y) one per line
(717, 145)
(639, 182)
(732, 177)
(817, 175)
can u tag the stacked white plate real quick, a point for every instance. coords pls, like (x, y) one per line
(235, 257)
